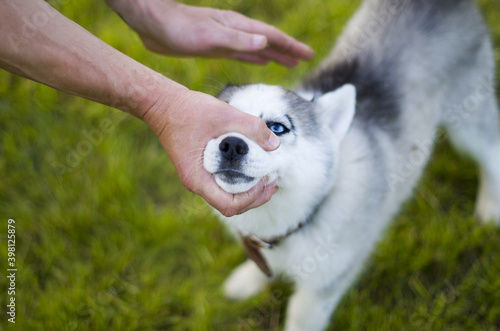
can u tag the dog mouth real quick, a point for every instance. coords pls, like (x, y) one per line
(236, 166)
(234, 181)
(233, 177)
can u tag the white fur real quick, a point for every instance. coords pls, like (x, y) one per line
(245, 281)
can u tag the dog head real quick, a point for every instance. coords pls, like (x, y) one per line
(310, 132)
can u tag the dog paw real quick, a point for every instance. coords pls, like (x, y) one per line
(245, 281)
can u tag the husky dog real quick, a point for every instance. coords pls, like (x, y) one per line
(355, 137)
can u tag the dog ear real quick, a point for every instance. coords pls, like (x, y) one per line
(338, 108)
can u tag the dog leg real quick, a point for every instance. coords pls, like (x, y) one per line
(473, 125)
(310, 310)
(488, 199)
(479, 136)
(245, 281)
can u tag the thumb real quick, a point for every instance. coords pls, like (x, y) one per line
(256, 129)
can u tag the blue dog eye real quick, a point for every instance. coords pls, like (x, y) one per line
(278, 128)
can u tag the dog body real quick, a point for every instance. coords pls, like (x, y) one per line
(356, 137)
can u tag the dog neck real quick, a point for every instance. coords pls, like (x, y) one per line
(254, 244)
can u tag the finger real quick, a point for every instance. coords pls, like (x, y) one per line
(279, 57)
(254, 128)
(249, 57)
(275, 38)
(285, 44)
(264, 197)
(234, 120)
(292, 47)
(237, 40)
(256, 196)
(230, 204)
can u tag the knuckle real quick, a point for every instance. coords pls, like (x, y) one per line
(234, 38)
(228, 211)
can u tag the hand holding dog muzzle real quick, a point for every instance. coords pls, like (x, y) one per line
(185, 121)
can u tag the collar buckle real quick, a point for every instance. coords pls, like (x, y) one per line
(261, 243)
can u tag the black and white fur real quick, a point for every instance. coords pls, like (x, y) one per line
(360, 131)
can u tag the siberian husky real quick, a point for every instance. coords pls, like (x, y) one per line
(355, 137)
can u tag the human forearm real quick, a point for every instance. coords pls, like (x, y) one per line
(39, 43)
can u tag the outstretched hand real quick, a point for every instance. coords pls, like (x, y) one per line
(171, 28)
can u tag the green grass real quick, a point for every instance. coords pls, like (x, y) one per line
(108, 239)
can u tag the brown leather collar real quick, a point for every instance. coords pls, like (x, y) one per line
(253, 244)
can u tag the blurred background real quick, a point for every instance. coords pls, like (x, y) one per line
(108, 239)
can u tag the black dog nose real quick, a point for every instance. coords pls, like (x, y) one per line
(233, 148)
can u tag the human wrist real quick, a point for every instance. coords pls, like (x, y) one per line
(127, 9)
(154, 100)
(138, 14)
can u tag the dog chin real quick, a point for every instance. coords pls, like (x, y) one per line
(235, 182)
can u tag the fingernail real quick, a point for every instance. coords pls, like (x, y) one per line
(265, 180)
(273, 142)
(259, 41)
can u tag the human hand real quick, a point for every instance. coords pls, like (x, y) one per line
(171, 28)
(185, 121)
